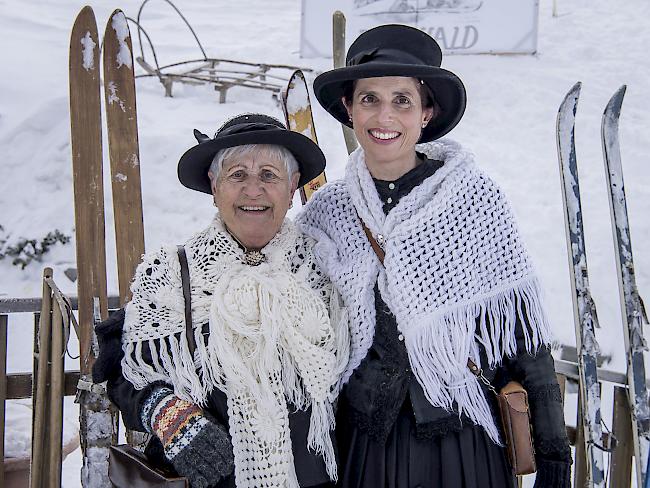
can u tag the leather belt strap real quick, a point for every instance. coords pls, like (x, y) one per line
(185, 280)
(373, 242)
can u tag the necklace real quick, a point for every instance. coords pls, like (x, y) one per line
(252, 257)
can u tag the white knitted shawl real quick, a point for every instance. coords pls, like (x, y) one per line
(456, 272)
(270, 341)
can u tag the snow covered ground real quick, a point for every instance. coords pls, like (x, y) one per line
(509, 124)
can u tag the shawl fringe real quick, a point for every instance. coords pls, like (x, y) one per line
(439, 347)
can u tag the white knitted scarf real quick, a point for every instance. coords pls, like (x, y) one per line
(270, 341)
(456, 272)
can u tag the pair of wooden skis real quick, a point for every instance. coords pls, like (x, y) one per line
(633, 311)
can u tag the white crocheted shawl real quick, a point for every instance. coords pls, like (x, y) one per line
(456, 272)
(270, 341)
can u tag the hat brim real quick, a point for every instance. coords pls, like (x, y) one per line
(194, 164)
(447, 88)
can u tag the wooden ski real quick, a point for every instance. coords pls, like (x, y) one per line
(121, 116)
(584, 309)
(297, 111)
(632, 309)
(97, 421)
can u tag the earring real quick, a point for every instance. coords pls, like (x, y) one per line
(214, 202)
(424, 124)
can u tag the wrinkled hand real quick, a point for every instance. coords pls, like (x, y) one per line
(197, 447)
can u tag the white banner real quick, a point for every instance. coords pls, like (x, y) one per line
(459, 26)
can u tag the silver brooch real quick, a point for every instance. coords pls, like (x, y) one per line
(254, 258)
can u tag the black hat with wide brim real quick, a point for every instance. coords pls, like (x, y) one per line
(248, 129)
(396, 50)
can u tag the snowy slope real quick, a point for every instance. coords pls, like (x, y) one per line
(509, 124)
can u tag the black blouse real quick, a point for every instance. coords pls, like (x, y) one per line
(383, 381)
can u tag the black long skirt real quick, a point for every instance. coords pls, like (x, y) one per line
(465, 459)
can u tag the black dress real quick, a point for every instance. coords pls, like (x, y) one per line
(389, 435)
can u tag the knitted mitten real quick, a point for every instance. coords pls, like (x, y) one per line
(553, 474)
(198, 449)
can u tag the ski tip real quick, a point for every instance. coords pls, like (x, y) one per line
(117, 25)
(571, 98)
(117, 11)
(574, 92)
(86, 11)
(296, 80)
(84, 34)
(613, 108)
(117, 51)
(85, 18)
(298, 74)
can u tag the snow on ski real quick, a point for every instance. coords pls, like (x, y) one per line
(96, 418)
(583, 305)
(632, 308)
(121, 116)
(297, 111)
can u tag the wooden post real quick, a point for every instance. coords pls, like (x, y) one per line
(620, 468)
(580, 464)
(338, 56)
(39, 433)
(3, 391)
(55, 440)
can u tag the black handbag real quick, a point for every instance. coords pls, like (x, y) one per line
(130, 468)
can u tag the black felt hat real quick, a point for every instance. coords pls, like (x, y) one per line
(396, 50)
(248, 129)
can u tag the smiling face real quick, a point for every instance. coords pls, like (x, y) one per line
(253, 192)
(388, 116)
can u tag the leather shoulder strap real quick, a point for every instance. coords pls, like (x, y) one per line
(381, 254)
(185, 280)
(373, 242)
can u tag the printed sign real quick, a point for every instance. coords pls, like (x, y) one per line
(459, 26)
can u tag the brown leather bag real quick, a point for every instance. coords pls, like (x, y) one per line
(515, 418)
(512, 401)
(129, 468)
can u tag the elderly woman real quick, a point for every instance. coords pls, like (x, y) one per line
(248, 386)
(424, 249)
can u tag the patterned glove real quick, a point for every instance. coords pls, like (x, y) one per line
(198, 449)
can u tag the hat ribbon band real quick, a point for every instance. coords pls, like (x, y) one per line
(248, 127)
(383, 55)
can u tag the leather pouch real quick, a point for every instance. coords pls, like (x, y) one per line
(515, 418)
(128, 468)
